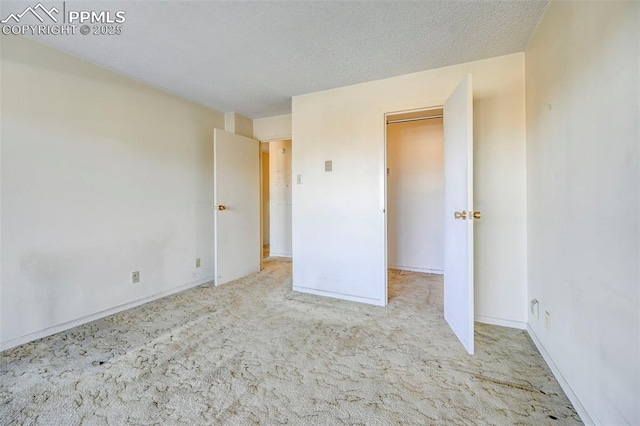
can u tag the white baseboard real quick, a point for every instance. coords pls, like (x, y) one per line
(287, 255)
(17, 341)
(341, 296)
(520, 325)
(584, 416)
(412, 269)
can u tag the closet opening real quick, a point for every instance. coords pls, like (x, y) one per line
(415, 198)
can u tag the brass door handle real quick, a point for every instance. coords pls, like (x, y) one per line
(221, 207)
(475, 215)
(460, 215)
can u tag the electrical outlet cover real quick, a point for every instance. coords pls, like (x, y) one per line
(547, 320)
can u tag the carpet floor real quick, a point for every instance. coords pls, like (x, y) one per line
(255, 352)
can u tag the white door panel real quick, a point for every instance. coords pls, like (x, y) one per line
(458, 241)
(237, 189)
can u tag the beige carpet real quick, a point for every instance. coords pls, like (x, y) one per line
(254, 352)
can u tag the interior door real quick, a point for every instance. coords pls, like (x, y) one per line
(237, 202)
(458, 202)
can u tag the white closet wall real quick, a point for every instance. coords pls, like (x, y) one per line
(415, 197)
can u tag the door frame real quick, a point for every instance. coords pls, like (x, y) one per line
(385, 112)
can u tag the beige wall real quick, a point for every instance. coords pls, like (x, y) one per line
(101, 176)
(415, 196)
(238, 124)
(338, 234)
(272, 128)
(583, 142)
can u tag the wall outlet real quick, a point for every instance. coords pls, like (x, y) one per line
(547, 320)
(135, 277)
(198, 262)
(535, 308)
(299, 179)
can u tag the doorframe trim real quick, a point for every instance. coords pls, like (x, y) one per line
(393, 109)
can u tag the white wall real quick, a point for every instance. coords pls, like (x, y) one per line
(583, 142)
(280, 198)
(415, 196)
(338, 237)
(101, 176)
(272, 128)
(265, 199)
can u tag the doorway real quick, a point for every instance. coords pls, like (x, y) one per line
(415, 191)
(276, 198)
(415, 202)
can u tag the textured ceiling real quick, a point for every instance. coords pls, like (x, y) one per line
(251, 57)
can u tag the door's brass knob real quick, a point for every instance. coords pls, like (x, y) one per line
(221, 207)
(460, 215)
(475, 215)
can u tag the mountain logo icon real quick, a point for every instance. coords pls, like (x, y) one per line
(34, 11)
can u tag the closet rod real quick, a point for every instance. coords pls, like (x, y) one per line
(404, 120)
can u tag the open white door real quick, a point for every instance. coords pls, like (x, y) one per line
(458, 204)
(237, 201)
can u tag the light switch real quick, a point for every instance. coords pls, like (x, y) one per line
(299, 179)
(328, 166)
